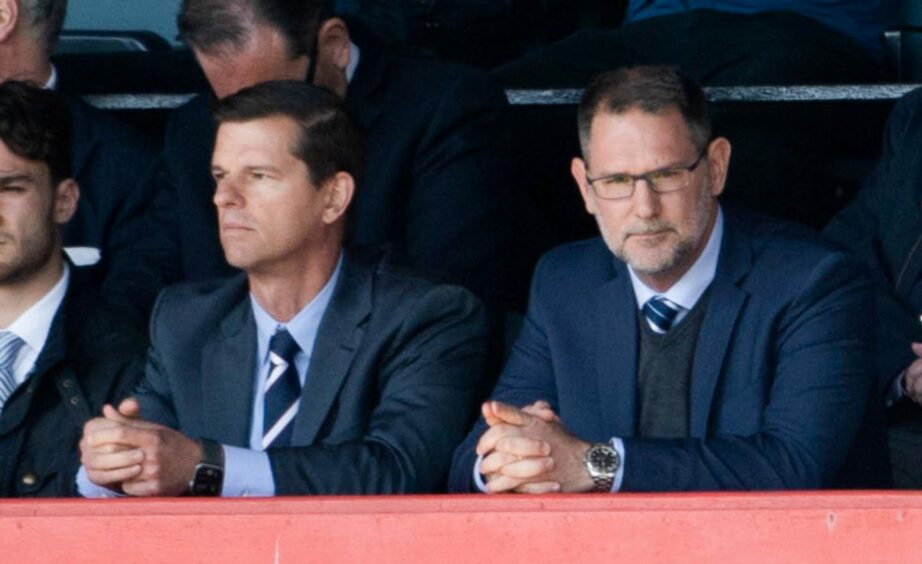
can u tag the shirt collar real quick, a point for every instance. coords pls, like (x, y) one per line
(34, 324)
(303, 326)
(52, 83)
(354, 54)
(689, 288)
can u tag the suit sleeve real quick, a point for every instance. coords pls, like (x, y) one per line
(430, 381)
(527, 377)
(458, 219)
(860, 228)
(821, 361)
(153, 392)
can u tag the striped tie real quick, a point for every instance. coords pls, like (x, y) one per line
(660, 313)
(283, 391)
(9, 350)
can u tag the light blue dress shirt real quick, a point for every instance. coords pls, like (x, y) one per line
(247, 471)
(685, 292)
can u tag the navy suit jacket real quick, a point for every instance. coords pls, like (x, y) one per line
(883, 226)
(780, 377)
(119, 210)
(439, 171)
(394, 381)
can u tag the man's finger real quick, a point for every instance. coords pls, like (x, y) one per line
(528, 468)
(486, 409)
(496, 460)
(522, 446)
(917, 349)
(130, 408)
(492, 435)
(542, 410)
(538, 488)
(107, 478)
(113, 414)
(510, 414)
(499, 483)
(112, 461)
(121, 435)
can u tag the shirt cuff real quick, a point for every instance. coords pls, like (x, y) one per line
(618, 445)
(247, 473)
(478, 477)
(86, 488)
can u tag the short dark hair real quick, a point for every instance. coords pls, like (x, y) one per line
(652, 89)
(35, 125)
(213, 26)
(328, 140)
(48, 17)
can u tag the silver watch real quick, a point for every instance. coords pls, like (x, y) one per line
(602, 462)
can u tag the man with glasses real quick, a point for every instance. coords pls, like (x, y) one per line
(715, 350)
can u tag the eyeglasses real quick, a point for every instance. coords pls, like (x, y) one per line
(621, 185)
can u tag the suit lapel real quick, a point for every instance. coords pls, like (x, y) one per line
(228, 362)
(724, 306)
(616, 348)
(338, 338)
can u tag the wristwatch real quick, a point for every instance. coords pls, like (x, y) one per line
(602, 462)
(209, 473)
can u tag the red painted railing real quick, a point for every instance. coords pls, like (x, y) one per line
(752, 528)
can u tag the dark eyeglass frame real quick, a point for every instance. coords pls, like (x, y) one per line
(646, 176)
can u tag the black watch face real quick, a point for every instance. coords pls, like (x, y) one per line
(604, 459)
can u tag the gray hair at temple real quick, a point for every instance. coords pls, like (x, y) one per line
(47, 17)
(651, 89)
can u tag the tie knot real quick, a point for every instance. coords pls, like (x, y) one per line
(10, 344)
(284, 346)
(660, 313)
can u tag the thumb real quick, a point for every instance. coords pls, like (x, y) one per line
(508, 414)
(130, 408)
(917, 349)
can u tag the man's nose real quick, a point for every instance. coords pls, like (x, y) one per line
(645, 200)
(226, 193)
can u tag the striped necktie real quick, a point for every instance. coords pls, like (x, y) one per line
(10, 345)
(283, 391)
(660, 313)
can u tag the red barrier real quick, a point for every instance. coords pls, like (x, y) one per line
(752, 528)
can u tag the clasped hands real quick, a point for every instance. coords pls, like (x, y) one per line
(528, 450)
(122, 452)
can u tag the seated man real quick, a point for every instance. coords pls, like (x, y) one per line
(115, 223)
(439, 174)
(391, 365)
(714, 350)
(883, 226)
(61, 357)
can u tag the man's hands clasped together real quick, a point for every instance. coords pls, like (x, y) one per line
(122, 452)
(528, 450)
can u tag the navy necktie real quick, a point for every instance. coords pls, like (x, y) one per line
(660, 313)
(9, 349)
(283, 391)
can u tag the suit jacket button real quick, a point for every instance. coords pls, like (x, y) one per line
(67, 383)
(29, 479)
(74, 400)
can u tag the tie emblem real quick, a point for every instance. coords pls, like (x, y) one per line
(282, 391)
(10, 345)
(660, 313)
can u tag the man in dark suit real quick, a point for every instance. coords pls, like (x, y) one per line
(439, 173)
(391, 364)
(713, 351)
(883, 226)
(62, 357)
(116, 223)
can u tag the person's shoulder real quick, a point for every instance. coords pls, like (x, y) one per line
(200, 303)
(787, 240)
(90, 124)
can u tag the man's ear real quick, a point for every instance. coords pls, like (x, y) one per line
(66, 196)
(718, 163)
(9, 17)
(339, 192)
(578, 170)
(334, 52)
